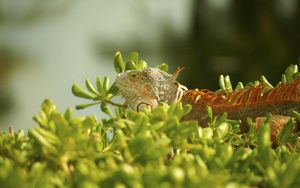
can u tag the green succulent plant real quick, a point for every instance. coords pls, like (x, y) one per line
(150, 148)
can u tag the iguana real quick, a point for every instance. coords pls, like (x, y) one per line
(152, 86)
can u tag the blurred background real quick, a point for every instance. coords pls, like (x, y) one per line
(46, 46)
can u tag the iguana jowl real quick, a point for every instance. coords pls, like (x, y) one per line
(152, 86)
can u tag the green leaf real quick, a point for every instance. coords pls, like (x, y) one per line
(228, 85)
(51, 138)
(79, 92)
(131, 66)
(265, 81)
(289, 74)
(48, 107)
(249, 85)
(294, 68)
(296, 115)
(68, 114)
(141, 65)
(283, 78)
(296, 76)
(207, 133)
(119, 63)
(100, 87)
(252, 128)
(220, 119)
(285, 133)
(33, 133)
(83, 106)
(164, 67)
(264, 142)
(209, 112)
(106, 84)
(186, 109)
(239, 86)
(113, 89)
(223, 129)
(106, 109)
(134, 57)
(90, 87)
(222, 82)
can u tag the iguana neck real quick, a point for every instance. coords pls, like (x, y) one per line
(171, 91)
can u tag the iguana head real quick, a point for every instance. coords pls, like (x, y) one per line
(149, 87)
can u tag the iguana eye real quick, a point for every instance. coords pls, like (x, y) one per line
(133, 75)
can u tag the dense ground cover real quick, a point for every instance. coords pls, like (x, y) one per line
(151, 148)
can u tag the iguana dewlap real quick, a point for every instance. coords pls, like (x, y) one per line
(151, 86)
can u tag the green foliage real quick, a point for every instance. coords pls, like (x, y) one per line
(147, 149)
(291, 74)
(150, 148)
(104, 93)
